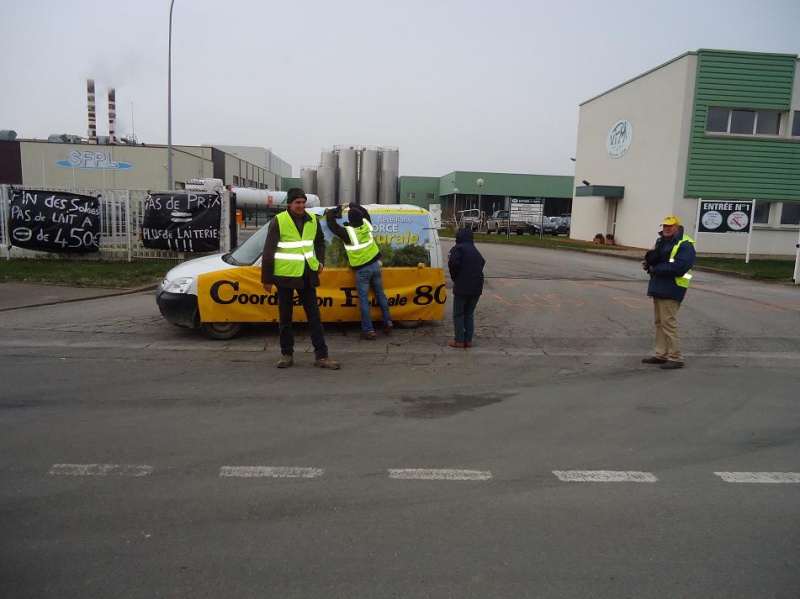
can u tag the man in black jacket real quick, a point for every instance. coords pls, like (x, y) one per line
(465, 264)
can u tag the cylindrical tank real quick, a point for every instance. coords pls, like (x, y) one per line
(347, 175)
(368, 177)
(390, 170)
(247, 196)
(326, 185)
(328, 159)
(308, 179)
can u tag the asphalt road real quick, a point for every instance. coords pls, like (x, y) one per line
(138, 459)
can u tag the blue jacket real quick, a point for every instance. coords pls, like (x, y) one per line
(465, 264)
(662, 279)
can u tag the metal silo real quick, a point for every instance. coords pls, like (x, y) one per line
(390, 170)
(308, 179)
(328, 158)
(326, 185)
(347, 175)
(368, 177)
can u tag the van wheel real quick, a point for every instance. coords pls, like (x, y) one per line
(221, 331)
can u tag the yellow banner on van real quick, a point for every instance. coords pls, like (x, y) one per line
(237, 295)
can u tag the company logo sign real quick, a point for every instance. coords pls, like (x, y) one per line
(619, 138)
(91, 159)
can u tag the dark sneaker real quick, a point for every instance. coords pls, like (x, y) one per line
(458, 344)
(387, 328)
(368, 335)
(672, 365)
(285, 361)
(327, 363)
(654, 360)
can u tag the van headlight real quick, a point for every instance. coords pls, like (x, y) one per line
(179, 285)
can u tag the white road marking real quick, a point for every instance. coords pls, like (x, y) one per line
(101, 469)
(604, 476)
(759, 477)
(270, 472)
(438, 474)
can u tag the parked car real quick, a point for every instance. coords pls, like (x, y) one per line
(498, 223)
(563, 225)
(470, 219)
(546, 223)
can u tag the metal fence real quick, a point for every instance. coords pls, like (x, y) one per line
(121, 216)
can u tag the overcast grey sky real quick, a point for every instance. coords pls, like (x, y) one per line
(490, 85)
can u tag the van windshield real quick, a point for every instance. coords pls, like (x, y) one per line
(250, 251)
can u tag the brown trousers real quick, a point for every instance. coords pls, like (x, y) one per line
(668, 340)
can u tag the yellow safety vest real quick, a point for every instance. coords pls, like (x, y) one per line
(686, 279)
(362, 247)
(293, 250)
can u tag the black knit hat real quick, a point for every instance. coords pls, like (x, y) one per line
(294, 193)
(355, 219)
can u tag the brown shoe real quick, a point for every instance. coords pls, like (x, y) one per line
(672, 365)
(367, 336)
(327, 363)
(468, 344)
(654, 360)
(285, 361)
(387, 328)
(458, 344)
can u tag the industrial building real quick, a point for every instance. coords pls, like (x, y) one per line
(711, 125)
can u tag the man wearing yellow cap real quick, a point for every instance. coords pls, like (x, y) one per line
(669, 264)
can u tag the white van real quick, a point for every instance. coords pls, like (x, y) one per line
(222, 292)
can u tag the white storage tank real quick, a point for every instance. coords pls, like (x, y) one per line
(326, 185)
(328, 158)
(390, 170)
(368, 177)
(308, 179)
(347, 175)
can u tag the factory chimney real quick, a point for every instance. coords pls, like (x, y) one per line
(112, 115)
(92, 111)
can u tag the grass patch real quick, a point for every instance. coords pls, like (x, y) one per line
(764, 269)
(112, 275)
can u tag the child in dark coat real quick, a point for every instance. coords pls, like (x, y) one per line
(465, 264)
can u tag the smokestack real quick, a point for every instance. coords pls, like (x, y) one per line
(112, 115)
(92, 112)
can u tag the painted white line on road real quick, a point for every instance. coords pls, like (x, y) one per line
(101, 469)
(759, 477)
(438, 474)
(604, 476)
(270, 472)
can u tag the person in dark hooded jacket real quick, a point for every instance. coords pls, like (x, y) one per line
(465, 264)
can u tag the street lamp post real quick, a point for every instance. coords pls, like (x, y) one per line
(455, 206)
(170, 180)
(479, 183)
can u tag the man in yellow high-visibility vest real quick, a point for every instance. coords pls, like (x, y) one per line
(293, 259)
(364, 257)
(669, 265)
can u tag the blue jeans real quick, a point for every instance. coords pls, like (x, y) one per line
(367, 276)
(464, 316)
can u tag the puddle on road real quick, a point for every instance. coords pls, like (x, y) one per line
(441, 406)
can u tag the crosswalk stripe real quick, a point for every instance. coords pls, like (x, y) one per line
(438, 474)
(604, 476)
(100, 469)
(759, 477)
(270, 472)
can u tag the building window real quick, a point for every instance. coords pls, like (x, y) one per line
(411, 196)
(743, 122)
(761, 217)
(717, 120)
(796, 124)
(790, 213)
(430, 196)
(235, 180)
